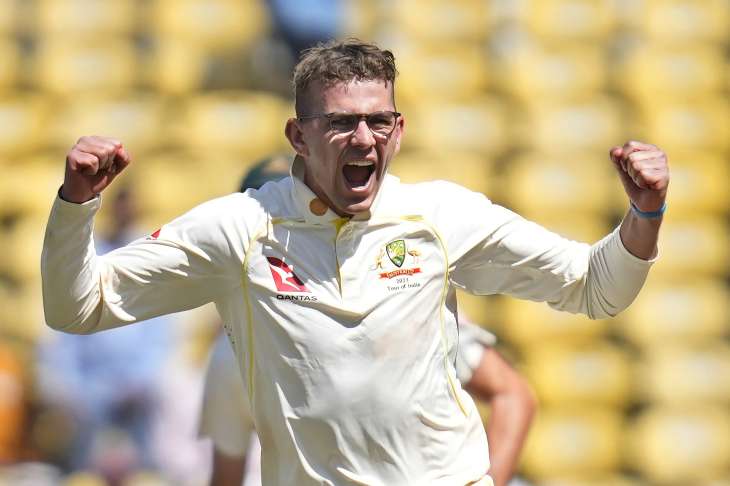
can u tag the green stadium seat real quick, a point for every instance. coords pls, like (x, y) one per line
(74, 66)
(584, 442)
(211, 24)
(689, 311)
(685, 374)
(570, 20)
(680, 445)
(592, 373)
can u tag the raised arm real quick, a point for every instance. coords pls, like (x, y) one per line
(185, 265)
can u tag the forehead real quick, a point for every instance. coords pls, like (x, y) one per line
(354, 96)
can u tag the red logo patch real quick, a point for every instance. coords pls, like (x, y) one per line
(155, 234)
(284, 277)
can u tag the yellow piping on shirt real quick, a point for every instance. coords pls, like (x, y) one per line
(249, 312)
(442, 306)
(339, 223)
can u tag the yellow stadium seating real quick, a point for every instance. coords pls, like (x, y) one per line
(584, 442)
(592, 373)
(572, 480)
(175, 66)
(563, 72)
(680, 446)
(248, 123)
(690, 126)
(570, 20)
(699, 184)
(69, 66)
(465, 168)
(138, 121)
(85, 17)
(687, 72)
(27, 189)
(543, 183)
(531, 322)
(211, 24)
(681, 21)
(697, 245)
(594, 124)
(22, 123)
(691, 311)
(10, 65)
(444, 71)
(9, 17)
(462, 20)
(686, 375)
(478, 125)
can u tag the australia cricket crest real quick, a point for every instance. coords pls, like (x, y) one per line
(396, 252)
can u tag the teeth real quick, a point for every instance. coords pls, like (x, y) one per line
(361, 163)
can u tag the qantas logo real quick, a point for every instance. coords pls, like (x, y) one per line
(284, 277)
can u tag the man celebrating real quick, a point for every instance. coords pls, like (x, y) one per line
(336, 284)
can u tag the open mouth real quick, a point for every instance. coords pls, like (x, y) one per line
(358, 173)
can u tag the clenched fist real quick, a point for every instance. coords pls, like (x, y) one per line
(91, 165)
(644, 172)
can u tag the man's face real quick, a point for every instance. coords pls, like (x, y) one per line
(346, 169)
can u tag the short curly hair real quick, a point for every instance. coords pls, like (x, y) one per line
(339, 61)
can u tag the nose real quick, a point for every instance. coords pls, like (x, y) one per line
(362, 136)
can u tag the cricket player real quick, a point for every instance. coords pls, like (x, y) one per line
(225, 418)
(336, 285)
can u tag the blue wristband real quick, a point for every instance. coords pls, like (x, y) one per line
(649, 214)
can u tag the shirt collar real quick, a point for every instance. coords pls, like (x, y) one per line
(309, 204)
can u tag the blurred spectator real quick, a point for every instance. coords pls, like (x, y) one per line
(107, 384)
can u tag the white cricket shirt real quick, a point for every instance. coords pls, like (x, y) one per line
(345, 330)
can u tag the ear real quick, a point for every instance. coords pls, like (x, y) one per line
(295, 136)
(400, 129)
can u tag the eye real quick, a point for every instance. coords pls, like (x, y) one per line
(342, 123)
(380, 121)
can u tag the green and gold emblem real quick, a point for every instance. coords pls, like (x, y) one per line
(396, 252)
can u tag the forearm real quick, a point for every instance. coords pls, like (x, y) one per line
(71, 293)
(507, 430)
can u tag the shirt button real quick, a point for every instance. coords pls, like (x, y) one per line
(317, 207)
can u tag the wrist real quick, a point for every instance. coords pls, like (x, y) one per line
(658, 213)
(76, 197)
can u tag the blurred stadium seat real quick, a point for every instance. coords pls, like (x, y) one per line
(22, 124)
(585, 442)
(139, 121)
(687, 312)
(532, 322)
(445, 71)
(10, 65)
(700, 125)
(570, 20)
(673, 72)
(699, 184)
(545, 183)
(175, 66)
(599, 481)
(680, 446)
(595, 124)
(676, 22)
(699, 244)
(470, 170)
(593, 373)
(250, 124)
(9, 17)
(686, 375)
(211, 24)
(438, 20)
(478, 126)
(565, 72)
(90, 18)
(66, 66)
